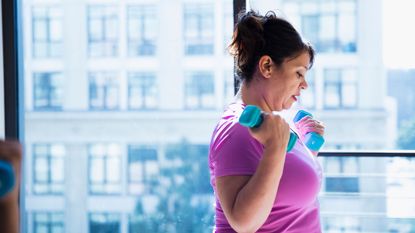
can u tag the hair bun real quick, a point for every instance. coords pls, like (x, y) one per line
(256, 35)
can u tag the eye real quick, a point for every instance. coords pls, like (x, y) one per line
(299, 75)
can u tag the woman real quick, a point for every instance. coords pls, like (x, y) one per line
(259, 187)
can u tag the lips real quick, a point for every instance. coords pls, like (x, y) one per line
(295, 98)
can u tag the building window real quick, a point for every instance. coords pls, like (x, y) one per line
(330, 26)
(340, 88)
(47, 32)
(142, 30)
(199, 91)
(227, 24)
(46, 222)
(342, 224)
(143, 169)
(102, 31)
(308, 96)
(342, 174)
(104, 223)
(48, 168)
(142, 91)
(47, 91)
(103, 91)
(229, 87)
(105, 169)
(198, 29)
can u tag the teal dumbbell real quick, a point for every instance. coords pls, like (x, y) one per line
(6, 178)
(312, 140)
(252, 117)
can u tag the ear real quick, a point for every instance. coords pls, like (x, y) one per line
(265, 65)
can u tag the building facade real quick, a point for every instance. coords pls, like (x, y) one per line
(121, 98)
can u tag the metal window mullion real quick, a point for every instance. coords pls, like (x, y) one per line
(142, 29)
(104, 29)
(48, 37)
(49, 90)
(49, 167)
(104, 96)
(238, 6)
(339, 86)
(105, 182)
(143, 93)
(10, 41)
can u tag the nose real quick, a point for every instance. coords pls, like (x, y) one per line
(304, 85)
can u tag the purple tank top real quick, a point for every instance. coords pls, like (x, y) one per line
(233, 151)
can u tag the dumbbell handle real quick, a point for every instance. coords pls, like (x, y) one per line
(252, 117)
(6, 178)
(312, 140)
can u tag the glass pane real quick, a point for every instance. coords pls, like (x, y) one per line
(102, 42)
(381, 197)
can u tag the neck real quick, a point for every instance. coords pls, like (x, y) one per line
(252, 95)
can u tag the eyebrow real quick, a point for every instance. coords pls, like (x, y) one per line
(305, 67)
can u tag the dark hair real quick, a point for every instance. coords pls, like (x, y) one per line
(256, 36)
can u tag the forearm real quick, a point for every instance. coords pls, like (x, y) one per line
(9, 215)
(255, 200)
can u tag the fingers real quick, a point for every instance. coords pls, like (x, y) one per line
(308, 124)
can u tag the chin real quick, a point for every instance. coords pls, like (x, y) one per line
(288, 106)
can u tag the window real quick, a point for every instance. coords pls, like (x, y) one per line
(340, 88)
(342, 224)
(190, 174)
(142, 91)
(329, 25)
(182, 199)
(145, 223)
(48, 222)
(103, 91)
(142, 30)
(227, 24)
(143, 169)
(199, 90)
(47, 32)
(104, 223)
(105, 168)
(48, 168)
(48, 91)
(342, 174)
(229, 90)
(198, 29)
(102, 31)
(308, 96)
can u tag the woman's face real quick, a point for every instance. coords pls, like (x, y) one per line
(286, 82)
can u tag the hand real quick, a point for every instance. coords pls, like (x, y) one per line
(308, 124)
(11, 152)
(274, 132)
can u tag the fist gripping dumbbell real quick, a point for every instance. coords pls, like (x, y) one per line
(6, 178)
(252, 117)
(312, 140)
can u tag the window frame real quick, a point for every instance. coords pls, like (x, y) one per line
(46, 20)
(105, 37)
(49, 157)
(13, 89)
(105, 181)
(50, 224)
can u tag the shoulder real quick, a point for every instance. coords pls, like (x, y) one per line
(228, 127)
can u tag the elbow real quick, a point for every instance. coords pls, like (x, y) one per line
(244, 225)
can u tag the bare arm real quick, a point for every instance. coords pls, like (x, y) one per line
(247, 200)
